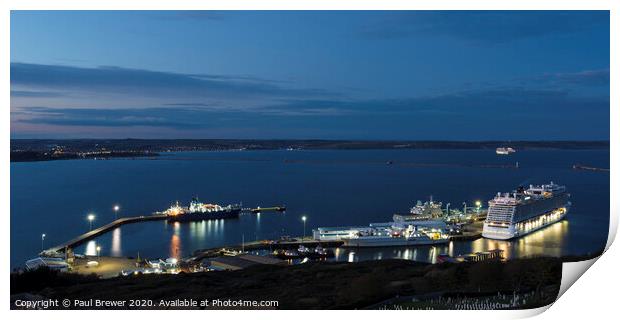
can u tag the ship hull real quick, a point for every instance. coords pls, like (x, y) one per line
(225, 214)
(512, 231)
(390, 242)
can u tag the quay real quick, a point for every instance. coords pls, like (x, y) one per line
(101, 230)
(263, 245)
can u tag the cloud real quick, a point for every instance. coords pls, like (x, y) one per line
(484, 26)
(583, 78)
(188, 104)
(99, 117)
(147, 83)
(502, 112)
(508, 100)
(35, 94)
(503, 102)
(198, 15)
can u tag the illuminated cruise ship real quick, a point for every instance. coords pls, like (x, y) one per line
(512, 215)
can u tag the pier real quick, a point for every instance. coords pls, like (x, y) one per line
(121, 221)
(101, 230)
(589, 168)
(281, 208)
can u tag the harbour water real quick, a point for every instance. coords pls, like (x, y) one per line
(330, 187)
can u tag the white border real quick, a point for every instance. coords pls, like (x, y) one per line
(595, 293)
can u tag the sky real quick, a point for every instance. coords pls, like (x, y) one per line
(368, 75)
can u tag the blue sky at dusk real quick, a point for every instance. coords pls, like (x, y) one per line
(405, 75)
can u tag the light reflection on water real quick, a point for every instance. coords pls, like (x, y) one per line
(91, 248)
(548, 241)
(184, 237)
(352, 256)
(175, 242)
(115, 249)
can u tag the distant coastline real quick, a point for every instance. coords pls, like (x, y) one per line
(162, 145)
(31, 156)
(62, 149)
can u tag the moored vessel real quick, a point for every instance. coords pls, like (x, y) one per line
(523, 211)
(505, 150)
(396, 234)
(197, 211)
(429, 210)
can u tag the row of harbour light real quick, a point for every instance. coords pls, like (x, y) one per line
(90, 217)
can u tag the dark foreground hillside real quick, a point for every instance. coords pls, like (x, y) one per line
(309, 286)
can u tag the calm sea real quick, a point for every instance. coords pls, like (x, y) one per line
(330, 187)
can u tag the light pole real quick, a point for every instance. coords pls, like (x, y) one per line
(91, 217)
(478, 206)
(303, 218)
(42, 239)
(116, 208)
(98, 252)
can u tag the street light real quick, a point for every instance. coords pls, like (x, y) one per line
(98, 252)
(42, 239)
(303, 218)
(478, 206)
(91, 217)
(116, 208)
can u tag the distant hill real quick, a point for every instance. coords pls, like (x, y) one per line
(163, 145)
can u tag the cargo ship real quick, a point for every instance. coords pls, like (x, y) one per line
(197, 211)
(429, 210)
(511, 215)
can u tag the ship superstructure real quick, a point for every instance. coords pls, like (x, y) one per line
(396, 234)
(200, 211)
(386, 234)
(515, 214)
(421, 211)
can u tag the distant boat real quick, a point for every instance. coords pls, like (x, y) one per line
(503, 150)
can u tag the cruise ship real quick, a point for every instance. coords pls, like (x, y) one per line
(503, 150)
(197, 211)
(515, 214)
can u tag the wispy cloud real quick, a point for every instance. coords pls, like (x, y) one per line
(582, 78)
(500, 102)
(98, 117)
(198, 15)
(35, 94)
(484, 26)
(115, 80)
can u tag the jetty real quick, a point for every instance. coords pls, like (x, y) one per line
(101, 230)
(281, 208)
(589, 168)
